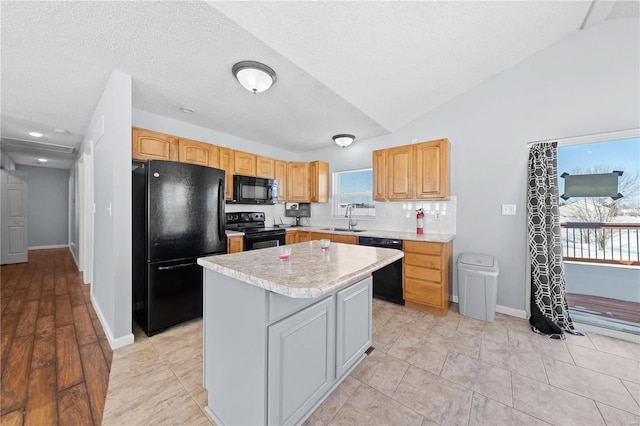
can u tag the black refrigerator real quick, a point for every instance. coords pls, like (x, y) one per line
(178, 216)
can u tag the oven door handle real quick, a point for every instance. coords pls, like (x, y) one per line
(221, 216)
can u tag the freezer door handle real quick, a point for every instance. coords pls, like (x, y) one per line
(221, 216)
(182, 265)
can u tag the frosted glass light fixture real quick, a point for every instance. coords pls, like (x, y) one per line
(254, 76)
(343, 140)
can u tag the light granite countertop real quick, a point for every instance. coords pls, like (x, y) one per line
(309, 272)
(411, 236)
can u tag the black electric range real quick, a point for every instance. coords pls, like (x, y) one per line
(256, 235)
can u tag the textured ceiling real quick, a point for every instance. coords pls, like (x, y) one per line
(366, 68)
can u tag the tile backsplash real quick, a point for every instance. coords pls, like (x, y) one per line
(439, 218)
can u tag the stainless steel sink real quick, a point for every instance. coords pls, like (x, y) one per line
(343, 230)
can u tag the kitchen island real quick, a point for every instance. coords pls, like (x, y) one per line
(280, 335)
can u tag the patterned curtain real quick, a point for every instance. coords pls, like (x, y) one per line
(549, 309)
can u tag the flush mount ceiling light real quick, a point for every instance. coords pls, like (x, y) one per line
(254, 76)
(61, 131)
(36, 134)
(187, 110)
(343, 140)
(42, 160)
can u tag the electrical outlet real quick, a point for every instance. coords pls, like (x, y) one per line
(508, 209)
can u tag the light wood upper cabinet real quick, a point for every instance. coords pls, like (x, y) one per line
(280, 174)
(298, 182)
(432, 170)
(379, 175)
(148, 145)
(226, 164)
(244, 163)
(201, 153)
(265, 167)
(400, 165)
(412, 172)
(319, 182)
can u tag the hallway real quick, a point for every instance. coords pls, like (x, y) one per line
(55, 358)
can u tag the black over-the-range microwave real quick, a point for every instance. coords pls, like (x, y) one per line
(254, 190)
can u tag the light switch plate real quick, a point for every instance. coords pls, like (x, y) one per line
(508, 209)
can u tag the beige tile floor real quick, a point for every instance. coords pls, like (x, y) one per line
(425, 370)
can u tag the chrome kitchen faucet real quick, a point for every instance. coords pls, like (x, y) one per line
(348, 213)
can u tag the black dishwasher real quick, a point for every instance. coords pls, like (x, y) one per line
(387, 281)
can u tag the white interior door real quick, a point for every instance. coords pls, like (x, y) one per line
(14, 216)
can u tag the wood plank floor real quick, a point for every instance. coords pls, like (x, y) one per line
(55, 358)
(605, 307)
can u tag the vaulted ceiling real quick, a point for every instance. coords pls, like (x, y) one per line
(365, 68)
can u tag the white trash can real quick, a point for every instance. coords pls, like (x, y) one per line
(478, 285)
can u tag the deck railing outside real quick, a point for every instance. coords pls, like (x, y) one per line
(601, 242)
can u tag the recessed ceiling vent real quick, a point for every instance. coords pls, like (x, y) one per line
(40, 146)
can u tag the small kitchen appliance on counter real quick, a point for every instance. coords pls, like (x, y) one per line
(256, 235)
(297, 210)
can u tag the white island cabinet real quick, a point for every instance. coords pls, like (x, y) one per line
(279, 336)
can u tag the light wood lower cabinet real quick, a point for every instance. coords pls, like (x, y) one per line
(291, 237)
(427, 274)
(344, 239)
(319, 236)
(303, 236)
(235, 244)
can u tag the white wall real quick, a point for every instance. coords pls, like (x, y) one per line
(159, 123)
(6, 162)
(587, 83)
(110, 133)
(48, 206)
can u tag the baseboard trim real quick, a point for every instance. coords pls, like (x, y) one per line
(55, 246)
(75, 259)
(113, 342)
(518, 313)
